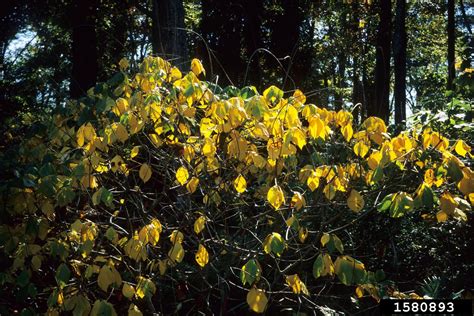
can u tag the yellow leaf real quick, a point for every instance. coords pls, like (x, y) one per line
(441, 216)
(145, 172)
(303, 234)
(313, 181)
(128, 290)
(257, 300)
(145, 287)
(182, 175)
(192, 185)
(298, 95)
(240, 184)
(120, 132)
(275, 196)
(447, 203)
(134, 151)
(329, 191)
(176, 236)
(134, 311)
(296, 284)
(196, 67)
(208, 149)
(298, 201)
(176, 253)
(123, 63)
(199, 224)
(347, 132)
(361, 149)
(328, 265)
(355, 201)
(462, 148)
(202, 256)
(298, 138)
(108, 275)
(325, 239)
(317, 128)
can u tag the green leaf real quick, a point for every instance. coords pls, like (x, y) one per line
(318, 266)
(103, 308)
(385, 204)
(62, 275)
(350, 271)
(250, 272)
(23, 279)
(273, 94)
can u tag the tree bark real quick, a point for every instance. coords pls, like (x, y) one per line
(84, 48)
(451, 42)
(400, 61)
(380, 107)
(168, 37)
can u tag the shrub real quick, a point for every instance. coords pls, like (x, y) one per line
(161, 192)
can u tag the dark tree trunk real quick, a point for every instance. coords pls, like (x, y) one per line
(84, 48)
(168, 34)
(253, 39)
(400, 62)
(380, 107)
(451, 42)
(341, 73)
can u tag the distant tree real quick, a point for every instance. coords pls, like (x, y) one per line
(400, 61)
(85, 66)
(451, 42)
(168, 36)
(380, 107)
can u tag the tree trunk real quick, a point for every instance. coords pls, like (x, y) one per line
(451, 42)
(84, 48)
(168, 34)
(380, 107)
(400, 62)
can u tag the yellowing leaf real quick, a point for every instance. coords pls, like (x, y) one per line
(145, 172)
(274, 243)
(355, 201)
(145, 287)
(108, 275)
(441, 216)
(176, 236)
(182, 175)
(176, 253)
(202, 256)
(240, 184)
(325, 239)
(196, 67)
(257, 300)
(295, 283)
(462, 148)
(275, 196)
(199, 224)
(303, 234)
(347, 132)
(120, 132)
(192, 185)
(102, 307)
(298, 201)
(361, 149)
(128, 290)
(134, 311)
